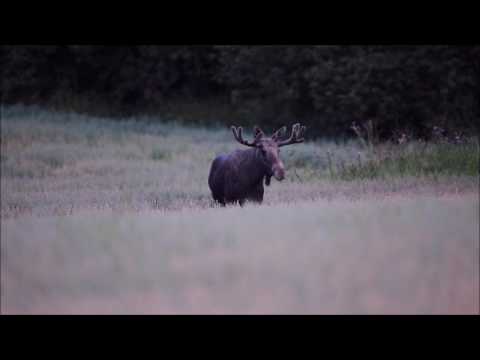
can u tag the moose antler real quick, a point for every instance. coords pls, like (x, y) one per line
(237, 133)
(296, 137)
(279, 133)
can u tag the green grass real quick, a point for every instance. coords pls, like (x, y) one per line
(159, 154)
(418, 160)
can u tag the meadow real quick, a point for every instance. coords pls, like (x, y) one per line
(106, 215)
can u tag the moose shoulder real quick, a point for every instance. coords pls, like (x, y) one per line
(239, 176)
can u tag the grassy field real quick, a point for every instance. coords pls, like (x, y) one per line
(398, 255)
(115, 216)
(59, 163)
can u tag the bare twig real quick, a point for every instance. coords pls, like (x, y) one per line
(298, 177)
(329, 163)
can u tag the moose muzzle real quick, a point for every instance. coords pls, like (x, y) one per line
(279, 172)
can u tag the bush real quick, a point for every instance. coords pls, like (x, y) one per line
(417, 159)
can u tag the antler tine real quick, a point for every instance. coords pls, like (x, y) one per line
(295, 137)
(301, 131)
(279, 132)
(237, 133)
(234, 130)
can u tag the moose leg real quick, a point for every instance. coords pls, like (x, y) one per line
(267, 180)
(218, 198)
(256, 194)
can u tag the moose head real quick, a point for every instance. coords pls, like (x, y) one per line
(269, 147)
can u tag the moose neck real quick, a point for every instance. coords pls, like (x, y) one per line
(255, 166)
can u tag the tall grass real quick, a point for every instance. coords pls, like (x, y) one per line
(416, 159)
(396, 255)
(403, 158)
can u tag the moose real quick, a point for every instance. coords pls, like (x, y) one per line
(239, 176)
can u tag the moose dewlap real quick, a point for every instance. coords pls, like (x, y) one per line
(239, 175)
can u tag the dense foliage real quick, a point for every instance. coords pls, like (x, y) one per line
(397, 88)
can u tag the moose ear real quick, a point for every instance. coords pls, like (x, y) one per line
(257, 132)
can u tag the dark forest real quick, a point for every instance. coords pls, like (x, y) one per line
(399, 89)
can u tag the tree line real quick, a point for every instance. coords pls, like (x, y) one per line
(407, 89)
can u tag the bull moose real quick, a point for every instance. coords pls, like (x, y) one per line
(239, 176)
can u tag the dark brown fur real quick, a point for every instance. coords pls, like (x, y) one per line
(239, 176)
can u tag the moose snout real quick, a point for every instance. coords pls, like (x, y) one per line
(279, 172)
